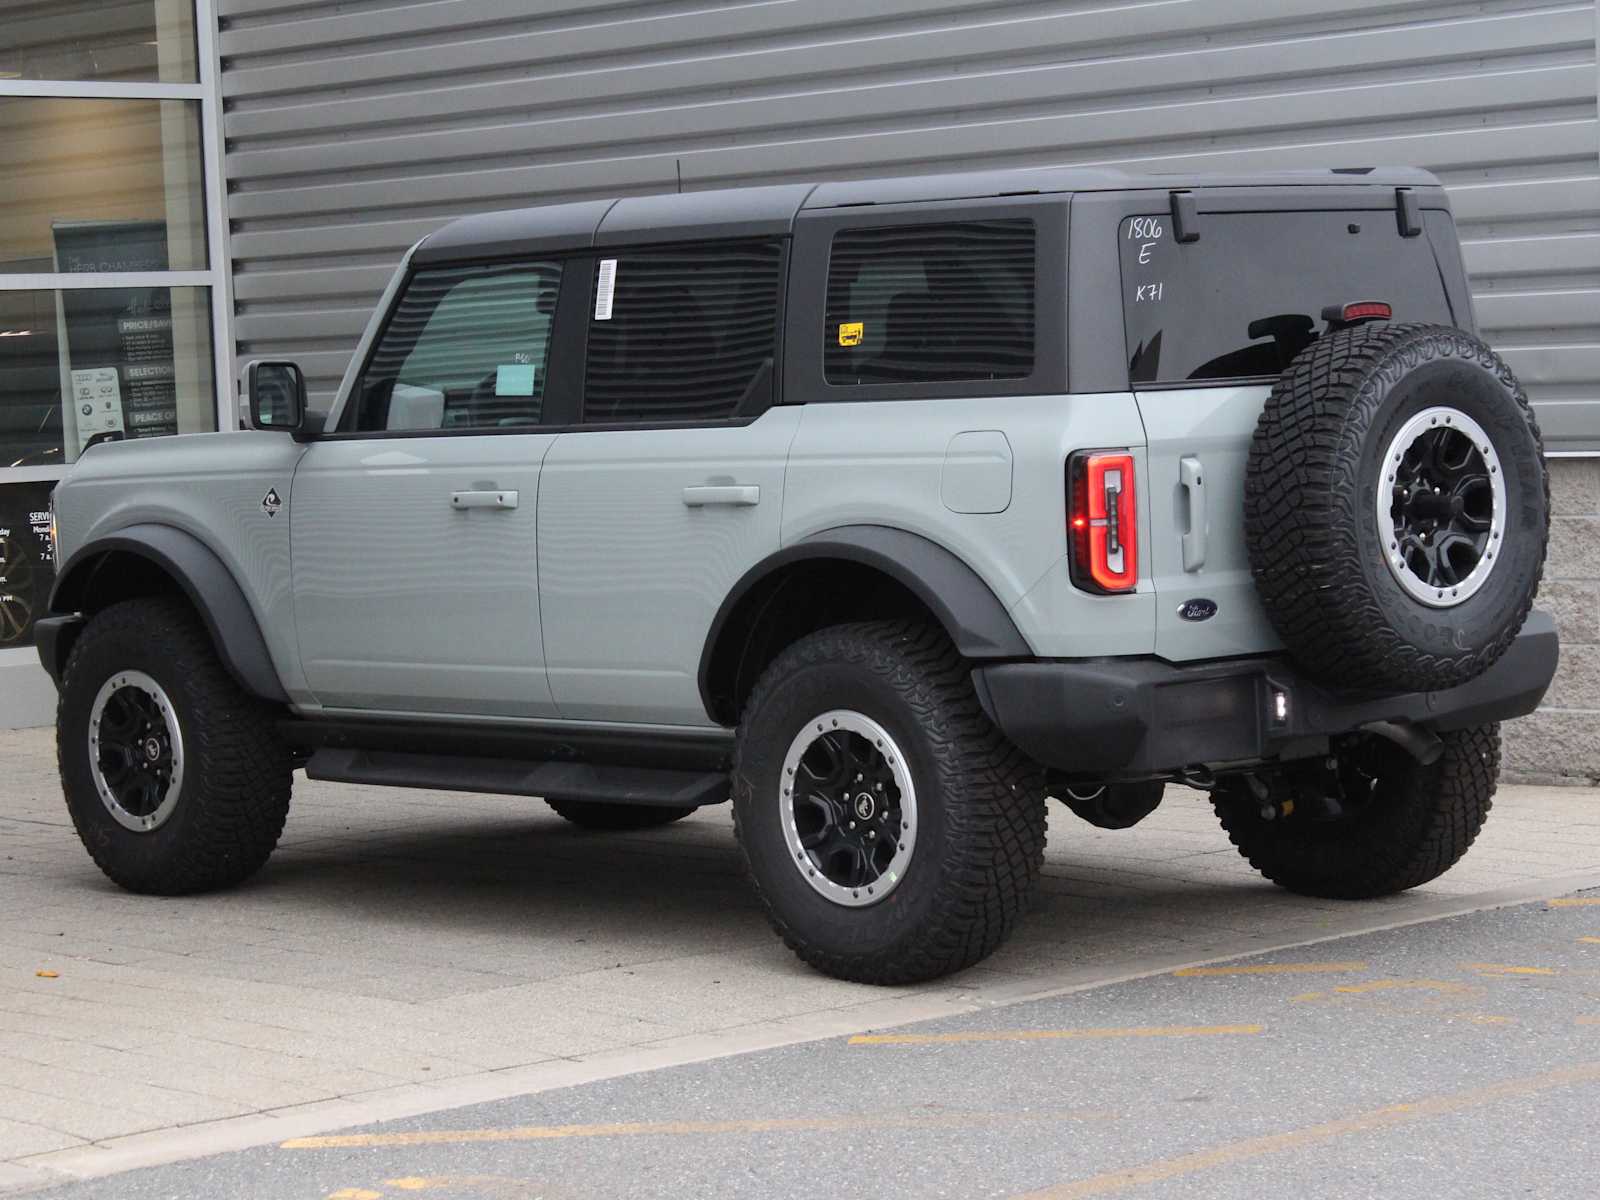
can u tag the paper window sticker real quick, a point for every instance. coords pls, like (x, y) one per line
(850, 332)
(513, 379)
(605, 289)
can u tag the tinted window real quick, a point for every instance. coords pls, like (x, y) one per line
(465, 348)
(930, 303)
(1248, 296)
(683, 333)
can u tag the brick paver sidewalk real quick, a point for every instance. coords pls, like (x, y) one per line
(405, 937)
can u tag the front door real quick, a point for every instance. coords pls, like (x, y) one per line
(414, 529)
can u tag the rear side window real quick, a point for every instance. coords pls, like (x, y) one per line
(465, 348)
(683, 333)
(930, 303)
(1243, 300)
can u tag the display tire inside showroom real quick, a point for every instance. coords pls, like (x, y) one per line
(1393, 823)
(616, 818)
(892, 833)
(1397, 508)
(174, 777)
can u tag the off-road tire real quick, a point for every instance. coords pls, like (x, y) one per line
(1418, 826)
(234, 797)
(616, 818)
(1311, 490)
(981, 805)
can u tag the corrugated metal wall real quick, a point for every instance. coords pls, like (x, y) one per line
(354, 128)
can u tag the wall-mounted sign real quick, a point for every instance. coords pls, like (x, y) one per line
(27, 567)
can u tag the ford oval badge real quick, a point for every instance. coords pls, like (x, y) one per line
(1198, 609)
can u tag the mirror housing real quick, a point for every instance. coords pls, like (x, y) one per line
(275, 397)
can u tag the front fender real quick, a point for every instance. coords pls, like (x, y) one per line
(203, 578)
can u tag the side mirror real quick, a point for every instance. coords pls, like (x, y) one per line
(275, 396)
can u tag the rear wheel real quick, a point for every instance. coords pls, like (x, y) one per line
(589, 814)
(175, 778)
(892, 833)
(1378, 823)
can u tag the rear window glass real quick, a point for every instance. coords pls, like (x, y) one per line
(930, 303)
(1248, 296)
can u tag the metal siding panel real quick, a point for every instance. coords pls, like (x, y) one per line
(352, 133)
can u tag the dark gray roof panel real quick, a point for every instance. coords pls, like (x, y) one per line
(771, 211)
(689, 216)
(548, 229)
(972, 184)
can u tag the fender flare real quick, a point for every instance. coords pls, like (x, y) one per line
(205, 580)
(963, 603)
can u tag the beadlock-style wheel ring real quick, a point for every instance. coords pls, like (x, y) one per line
(1441, 507)
(848, 808)
(135, 751)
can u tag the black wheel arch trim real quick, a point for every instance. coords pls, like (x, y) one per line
(963, 603)
(205, 581)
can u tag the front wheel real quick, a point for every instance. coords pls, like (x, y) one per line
(175, 779)
(1378, 823)
(891, 831)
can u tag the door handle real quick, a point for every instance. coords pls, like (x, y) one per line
(736, 494)
(1194, 540)
(495, 499)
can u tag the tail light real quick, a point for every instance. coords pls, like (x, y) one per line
(1103, 525)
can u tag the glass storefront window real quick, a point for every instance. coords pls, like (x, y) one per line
(102, 364)
(149, 41)
(101, 185)
(27, 568)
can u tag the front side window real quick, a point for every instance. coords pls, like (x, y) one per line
(683, 333)
(466, 347)
(951, 302)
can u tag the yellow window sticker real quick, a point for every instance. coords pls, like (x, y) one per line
(850, 332)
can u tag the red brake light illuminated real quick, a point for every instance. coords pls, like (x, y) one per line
(1103, 522)
(1360, 310)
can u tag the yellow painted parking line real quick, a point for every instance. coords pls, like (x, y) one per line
(1274, 969)
(355, 1194)
(533, 1133)
(1589, 939)
(1589, 1020)
(1405, 985)
(483, 1184)
(1575, 902)
(1387, 1117)
(1503, 969)
(1047, 1035)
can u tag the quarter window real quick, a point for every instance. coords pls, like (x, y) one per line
(466, 348)
(683, 333)
(950, 302)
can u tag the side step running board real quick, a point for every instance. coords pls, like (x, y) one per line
(520, 777)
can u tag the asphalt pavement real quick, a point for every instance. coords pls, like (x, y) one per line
(1457, 1058)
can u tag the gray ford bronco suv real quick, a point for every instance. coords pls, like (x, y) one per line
(885, 509)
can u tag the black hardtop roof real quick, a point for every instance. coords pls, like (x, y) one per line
(771, 210)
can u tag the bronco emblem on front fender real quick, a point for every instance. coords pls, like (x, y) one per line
(270, 503)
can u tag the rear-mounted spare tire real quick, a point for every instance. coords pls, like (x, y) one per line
(1397, 508)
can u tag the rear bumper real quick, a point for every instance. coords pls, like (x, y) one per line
(1138, 717)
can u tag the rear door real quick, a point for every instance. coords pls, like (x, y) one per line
(1210, 324)
(672, 485)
